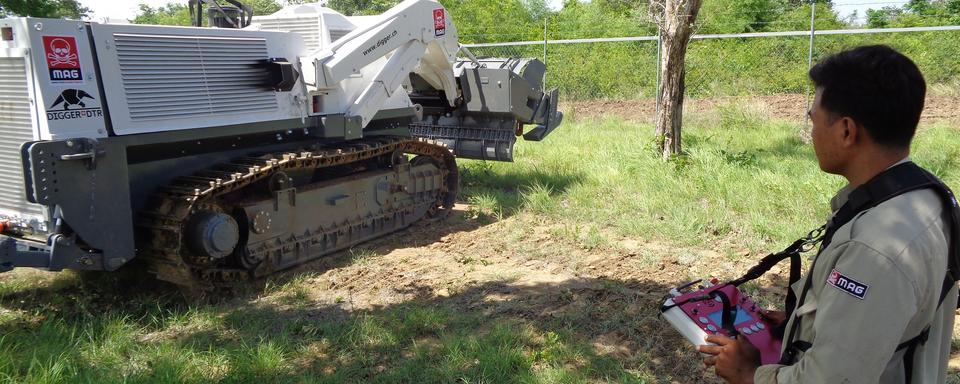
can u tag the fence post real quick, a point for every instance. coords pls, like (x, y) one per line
(545, 19)
(657, 65)
(813, 18)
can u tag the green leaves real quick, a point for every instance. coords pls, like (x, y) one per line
(55, 9)
(916, 13)
(177, 13)
(484, 21)
(362, 7)
(170, 14)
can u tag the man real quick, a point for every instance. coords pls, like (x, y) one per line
(867, 106)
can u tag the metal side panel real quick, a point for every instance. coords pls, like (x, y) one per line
(16, 127)
(63, 77)
(88, 181)
(306, 27)
(172, 78)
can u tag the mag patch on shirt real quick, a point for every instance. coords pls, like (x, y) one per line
(850, 286)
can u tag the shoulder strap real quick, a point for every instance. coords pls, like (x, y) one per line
(888, 184)
(893, 182)
(793, 253)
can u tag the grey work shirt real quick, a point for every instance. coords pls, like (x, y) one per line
(875, 286)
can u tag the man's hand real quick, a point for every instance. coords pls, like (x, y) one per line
(734, 360)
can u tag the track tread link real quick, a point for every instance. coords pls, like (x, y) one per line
(163, 221)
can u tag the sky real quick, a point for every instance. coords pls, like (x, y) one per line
(128, 9)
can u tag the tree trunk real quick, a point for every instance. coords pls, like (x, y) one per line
(675, 20)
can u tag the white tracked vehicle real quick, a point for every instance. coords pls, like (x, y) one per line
(217, 156)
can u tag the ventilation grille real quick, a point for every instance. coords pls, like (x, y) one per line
(184, 76)
(308, 28)
(336, 34)
(16, 127)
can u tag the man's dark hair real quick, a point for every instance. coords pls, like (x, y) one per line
(877, 87)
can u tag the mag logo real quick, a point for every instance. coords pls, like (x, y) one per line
(439, 22)
(63, 60)
(846, 284)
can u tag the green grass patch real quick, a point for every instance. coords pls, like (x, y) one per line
(225, 343)
(743, 180)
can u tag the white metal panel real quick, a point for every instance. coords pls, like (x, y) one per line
(318, 24)
(182, 76)
(65, 107)
(306, 27)
(16, 128)
(172, 78)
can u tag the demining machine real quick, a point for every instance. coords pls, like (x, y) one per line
(215, 156)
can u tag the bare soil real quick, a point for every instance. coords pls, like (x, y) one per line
(784, 107)
(518, 268)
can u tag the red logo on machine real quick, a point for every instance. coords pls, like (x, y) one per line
(63, 61)
(439, 22)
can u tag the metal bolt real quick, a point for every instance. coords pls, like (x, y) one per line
(38, 26)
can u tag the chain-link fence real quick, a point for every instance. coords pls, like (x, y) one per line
(774, 63)
(606, 69)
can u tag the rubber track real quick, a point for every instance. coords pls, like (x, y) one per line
(163, 222)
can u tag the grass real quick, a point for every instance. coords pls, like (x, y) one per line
(225, 343)
(739, 178)
(950, 88)
(744, 183)
(743, 180)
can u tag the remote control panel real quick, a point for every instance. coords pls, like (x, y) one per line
(699, 313)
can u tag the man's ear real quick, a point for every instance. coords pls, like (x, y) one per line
(850, 132)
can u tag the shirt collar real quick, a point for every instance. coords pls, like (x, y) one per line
(843, 194)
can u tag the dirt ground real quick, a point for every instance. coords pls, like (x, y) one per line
(786, 107)
(517, 268)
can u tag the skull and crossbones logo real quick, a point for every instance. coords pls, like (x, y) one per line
(59, 53)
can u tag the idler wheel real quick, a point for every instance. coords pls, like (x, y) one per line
(214, 235)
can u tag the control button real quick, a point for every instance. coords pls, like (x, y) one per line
(746, 331)
(718, 299)
(755, 327)
(760, 325)
(704, 320)
(711, 328)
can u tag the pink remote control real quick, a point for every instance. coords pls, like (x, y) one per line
(699, 313)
